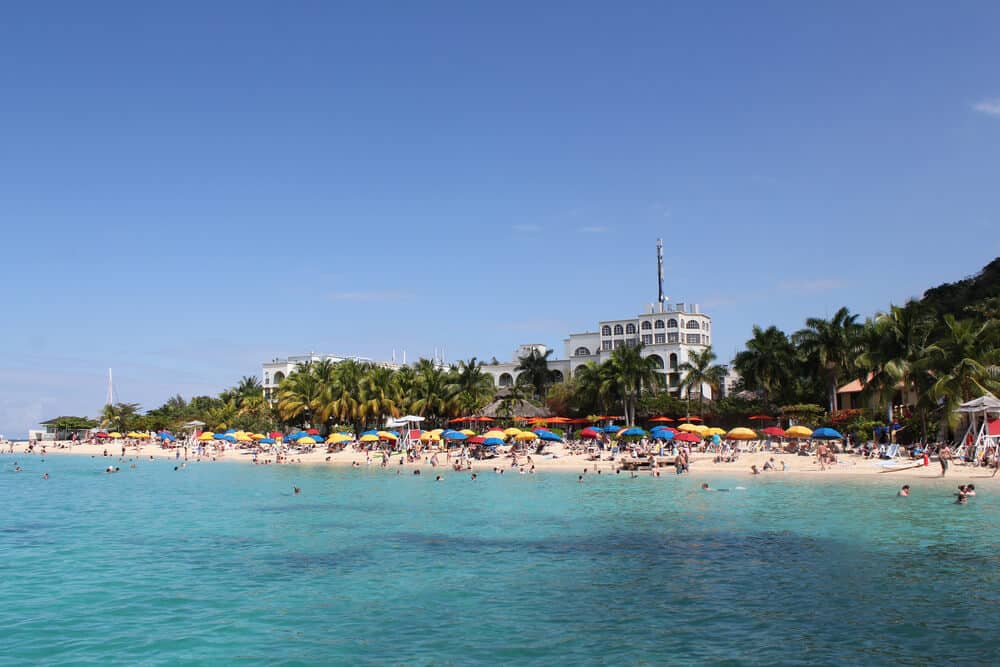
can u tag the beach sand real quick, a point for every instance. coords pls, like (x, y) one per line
(558, 458)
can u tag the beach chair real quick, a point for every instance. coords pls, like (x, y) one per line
(891, 453)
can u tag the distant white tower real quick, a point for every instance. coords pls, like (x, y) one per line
(111, 390)
(659, 271)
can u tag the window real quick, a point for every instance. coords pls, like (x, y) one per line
(606, 345)
(693, 339)
(632, 342)
(647, 339)
(630, 328)
(704, 340)
(660, 339)
(671, 324)
(673, 338)
(506, 380)
(267, 378)
(618, 344)
(581, 352)
(673, 361)
(659, 324)
(605, 330)
(693, 324)
(619, 330)
(656, 360)
(278, 377)
(646, 326)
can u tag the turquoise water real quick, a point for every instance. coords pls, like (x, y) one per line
(221, 564)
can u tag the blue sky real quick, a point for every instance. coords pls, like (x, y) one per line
(188, 189)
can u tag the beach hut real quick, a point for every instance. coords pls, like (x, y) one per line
(983, 434)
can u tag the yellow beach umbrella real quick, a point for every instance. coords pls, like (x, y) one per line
(798, 432)
(715, 430)
(305, 441)
(741, 433)
(207, 435)
(337, 438)
(430, 436)
(133, 434)
(468, 432)
(437, 431)
(114, 434)
(688, 428)
(371, 437)
(385, 435)
(257, 436)
(495, 434)
(512, 430)
(524, 436)
(243, 437)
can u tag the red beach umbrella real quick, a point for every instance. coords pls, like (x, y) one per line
(695, 419)
(475, 440)
(276, 434)
(687, 437)
(760, 417)
(661, 419)
(774, 431)
(313, 431)
(589, 433)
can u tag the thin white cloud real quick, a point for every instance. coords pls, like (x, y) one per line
(362, 295)
(812, 286)
(989, 107)
(593, 229)
(527, 228)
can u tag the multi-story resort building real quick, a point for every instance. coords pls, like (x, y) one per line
(668, 334)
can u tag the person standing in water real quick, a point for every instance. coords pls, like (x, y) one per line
(944, 457)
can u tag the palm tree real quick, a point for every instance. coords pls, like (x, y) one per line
(892, 346)
(341, 389)
(534, 370)
(119, 416)
(300, 397)
(700, 370)
(831, 346)
(630, 372)
(433, 391)
(766, 365)
(377, 395)
(473, 387)
(965, 362)
(596, 390)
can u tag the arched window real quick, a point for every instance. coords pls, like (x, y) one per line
(506, 379)
(671, 324)
(657, 360)
(673, 361)
(605, 330)
(581, 352)
(619, 330)
(646, 326)
(557, 376)
(693, 324)
(630, 328)
(278, 377)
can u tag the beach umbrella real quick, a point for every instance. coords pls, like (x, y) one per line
(590, 433)
(230, 431)
(305, 441)
(387, 435)
(685, 436)
(476, 440)
(369, 437)
(430, 436)
(715, 430)
(495, 433)
(114, 434)
(548, 436)
(257, 436)
(774, 431)
(798, 432)
(312, 431)
(695, 418)
(492, 442)
(687, 427)
(226, 437)
(337, 438)
(611, 429)
(826, 433)
(468, 432)
(664, 420)
(206, 436)
(167, 436)
(371, 432)
(663, 435)
(266, 441)
(244, 437)
(634, 431)
(525, 436)
(101, 435)
(275, 434)
(741, 433)
(512, 430)
(760, 417)
(455, 435)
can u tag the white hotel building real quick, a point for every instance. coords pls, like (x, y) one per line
(668, 334)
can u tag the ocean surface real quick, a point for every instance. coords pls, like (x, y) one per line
(219, 563)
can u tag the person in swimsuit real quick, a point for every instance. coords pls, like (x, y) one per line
(905, 491)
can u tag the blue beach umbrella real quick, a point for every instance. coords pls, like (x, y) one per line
(611, 429)
(549, 436)
(663, 435)
(230, 431)
(493, 442)
(826, 433)
(454, 435)
(632, 431)
(229, 438)
(167, 436)
(370, 433)
(266, 441)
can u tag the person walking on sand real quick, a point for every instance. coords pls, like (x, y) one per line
(944, 457)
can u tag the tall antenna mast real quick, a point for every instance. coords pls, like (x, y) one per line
(111, 389)
(659, 271)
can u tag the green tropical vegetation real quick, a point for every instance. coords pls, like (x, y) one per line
(914, 363)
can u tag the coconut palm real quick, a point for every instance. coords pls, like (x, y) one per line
(473, 387)
(892, 345)
(629, 372)
(300, 397)
(700, 370)
(965, 362)
(830, 347)
(377, 398)
(534, 370)
(119, 416)
(767, 363)
(433, 391)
